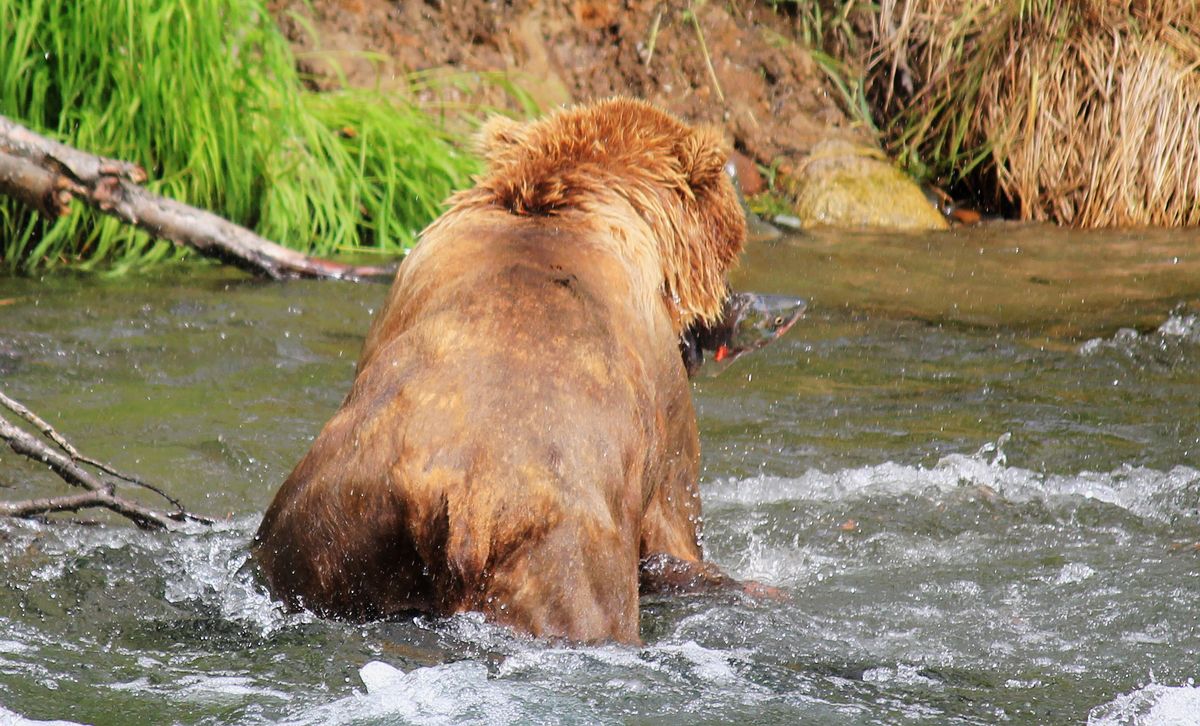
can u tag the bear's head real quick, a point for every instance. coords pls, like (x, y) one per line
(670, 173)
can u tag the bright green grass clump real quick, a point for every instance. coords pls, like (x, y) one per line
(205, 95)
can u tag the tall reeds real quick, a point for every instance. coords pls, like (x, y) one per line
(205, 95)
(1084, 112)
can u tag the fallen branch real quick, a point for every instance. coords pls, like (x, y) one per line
(49, 432)
(47, 175)
(31, 185)
(20, 141)
(69, 467)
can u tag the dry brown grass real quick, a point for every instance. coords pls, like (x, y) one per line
(1084, 112)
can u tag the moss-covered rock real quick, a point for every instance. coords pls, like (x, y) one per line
(842, 184)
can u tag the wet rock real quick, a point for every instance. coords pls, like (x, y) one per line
(843, 184)
(750, 181)
(760, 230)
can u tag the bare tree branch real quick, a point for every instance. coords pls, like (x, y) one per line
(69, 469)
(46, 175)
(20, 141)
(32, 185)
(46, 505)
(49, 432)
(142, 517)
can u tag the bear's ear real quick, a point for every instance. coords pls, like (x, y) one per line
(702, 157)
(498, 135)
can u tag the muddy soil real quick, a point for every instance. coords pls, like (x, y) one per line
(737, 64)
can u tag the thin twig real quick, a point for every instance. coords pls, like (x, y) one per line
(69, 468)
(712, 73)
(653, 39)
(49, 432)
(142, 517)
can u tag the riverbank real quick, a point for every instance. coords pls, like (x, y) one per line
(1083, 114)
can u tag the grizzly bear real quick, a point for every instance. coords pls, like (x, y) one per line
(519, 439)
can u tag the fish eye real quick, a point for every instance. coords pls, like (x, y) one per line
(779, 320)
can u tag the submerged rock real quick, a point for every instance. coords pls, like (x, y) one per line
(842, 184)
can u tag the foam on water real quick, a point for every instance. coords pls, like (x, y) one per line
(547, 684)
(1182, 326)
(1152, 705)
(452, 693)
(1179, 328)
(1160, 495)
(213, 567)
(1072, 573)
(204, 565)
(866, 636)
(782, 551)
(205, 688)
(8, 718)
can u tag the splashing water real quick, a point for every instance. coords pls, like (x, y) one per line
(972, 525)
(1154, 704)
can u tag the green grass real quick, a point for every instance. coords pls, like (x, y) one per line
(205, 95)
(826, 28)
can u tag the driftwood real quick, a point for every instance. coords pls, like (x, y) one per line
(47, 175)
(69, 466)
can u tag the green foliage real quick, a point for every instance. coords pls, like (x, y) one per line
(770, 204)
(931, 134)
(827, 28)
(848, 79)
(205, 95)
(827, 22)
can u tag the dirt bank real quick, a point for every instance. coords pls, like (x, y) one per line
(735, 64)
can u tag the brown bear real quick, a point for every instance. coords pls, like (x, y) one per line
(519, 439)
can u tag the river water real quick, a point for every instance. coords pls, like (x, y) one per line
(974, 468)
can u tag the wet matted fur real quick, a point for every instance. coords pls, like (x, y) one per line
(520, 434)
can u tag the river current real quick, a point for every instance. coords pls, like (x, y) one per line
(974, 468)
